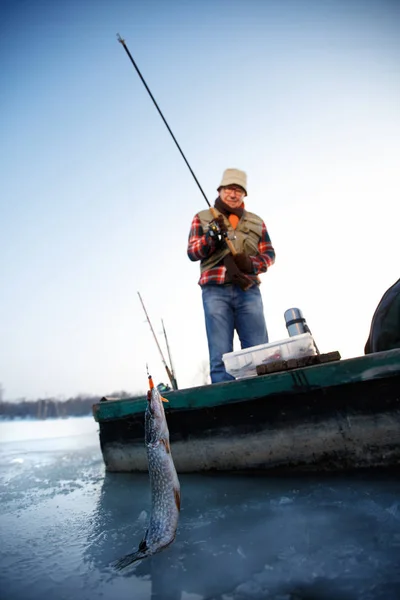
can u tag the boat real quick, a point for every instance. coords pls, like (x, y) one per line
(332, 416)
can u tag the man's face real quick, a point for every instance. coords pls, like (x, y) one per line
(232, 195)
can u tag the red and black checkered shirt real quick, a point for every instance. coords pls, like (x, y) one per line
(201, 245)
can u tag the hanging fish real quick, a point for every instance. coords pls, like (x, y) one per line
(164, 483)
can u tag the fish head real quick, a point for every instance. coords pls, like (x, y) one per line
(156, 423)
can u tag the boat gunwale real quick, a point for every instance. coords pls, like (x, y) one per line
(299, 380)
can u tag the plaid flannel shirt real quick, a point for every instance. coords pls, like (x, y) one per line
(201, 245)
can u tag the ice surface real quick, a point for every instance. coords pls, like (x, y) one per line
(63, 521)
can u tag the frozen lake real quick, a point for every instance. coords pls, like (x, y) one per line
(63, 520)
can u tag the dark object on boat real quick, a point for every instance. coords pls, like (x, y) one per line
(294, 363)
(333, 416)
(163, 387)
(385, 325)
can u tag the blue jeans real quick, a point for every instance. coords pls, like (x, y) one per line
(226, 308)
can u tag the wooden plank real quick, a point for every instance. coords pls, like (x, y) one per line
(295, 363)
(324, 358)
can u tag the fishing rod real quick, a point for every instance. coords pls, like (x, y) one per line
(170, 377)
(170, 357)
(212, 209)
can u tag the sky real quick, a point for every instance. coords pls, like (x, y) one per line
(96, 202)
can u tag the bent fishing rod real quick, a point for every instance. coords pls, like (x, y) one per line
(212, 209)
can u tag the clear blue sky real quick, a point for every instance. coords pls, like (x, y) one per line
(96, 202)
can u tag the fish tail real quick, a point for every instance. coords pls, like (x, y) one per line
(127, 560)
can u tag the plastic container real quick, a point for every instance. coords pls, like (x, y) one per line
(244, 362)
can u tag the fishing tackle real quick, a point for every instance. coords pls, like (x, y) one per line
(215, 231)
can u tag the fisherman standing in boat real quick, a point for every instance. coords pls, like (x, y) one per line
(229, 282)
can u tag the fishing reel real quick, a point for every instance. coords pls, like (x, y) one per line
(215, 232)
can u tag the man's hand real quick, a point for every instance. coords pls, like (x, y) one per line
(218, 228)
(243, 262)
(221, 224)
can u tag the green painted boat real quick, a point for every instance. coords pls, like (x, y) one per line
(336, 416)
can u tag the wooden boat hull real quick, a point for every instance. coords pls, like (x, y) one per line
(338, 416)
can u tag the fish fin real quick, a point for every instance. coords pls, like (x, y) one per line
(167, 446)
(164, 399)
(143, 544)
(133, 557)
(177, 495)
(128, 560)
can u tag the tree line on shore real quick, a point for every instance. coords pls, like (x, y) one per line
(54, 408)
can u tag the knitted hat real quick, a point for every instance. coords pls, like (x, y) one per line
(234, 177)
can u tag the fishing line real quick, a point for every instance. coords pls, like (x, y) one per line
(162, 116)
(213, 211)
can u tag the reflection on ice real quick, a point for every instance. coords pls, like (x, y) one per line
(255, 538)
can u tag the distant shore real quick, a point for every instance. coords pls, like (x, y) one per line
(53, 408)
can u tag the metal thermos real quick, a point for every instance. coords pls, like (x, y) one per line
(295, 322)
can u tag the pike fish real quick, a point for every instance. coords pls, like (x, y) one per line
(164, 483)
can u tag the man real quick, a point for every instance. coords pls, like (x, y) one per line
(229, 283)
(385, 326)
